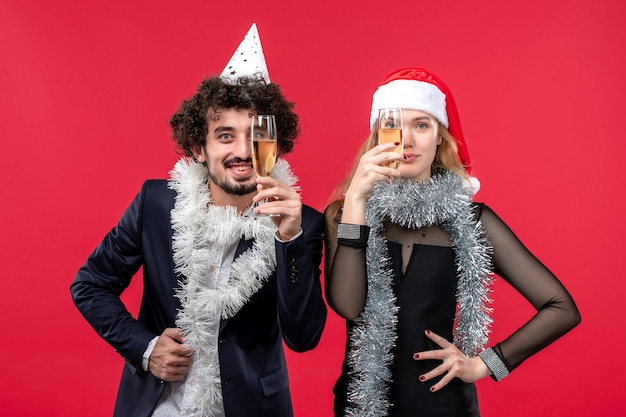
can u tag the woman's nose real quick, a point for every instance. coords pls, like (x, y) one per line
(408, 138)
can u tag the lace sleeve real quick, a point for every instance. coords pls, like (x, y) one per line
(345, 273)
(556, 311)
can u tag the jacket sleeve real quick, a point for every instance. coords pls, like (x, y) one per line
(99, 283)
(301, 308)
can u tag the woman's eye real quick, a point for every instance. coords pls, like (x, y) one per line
(422, 126)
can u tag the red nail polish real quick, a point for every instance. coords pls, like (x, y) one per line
(427, 331)
(416, 355)
(422, 378)
(396, 143)
(432, 389)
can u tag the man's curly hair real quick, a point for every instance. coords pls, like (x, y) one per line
(190, 123)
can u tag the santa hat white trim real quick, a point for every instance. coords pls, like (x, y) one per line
(410, 94)
(248, 59)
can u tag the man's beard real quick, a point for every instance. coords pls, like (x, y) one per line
(231, 187)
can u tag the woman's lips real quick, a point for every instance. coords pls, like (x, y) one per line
(409, 157)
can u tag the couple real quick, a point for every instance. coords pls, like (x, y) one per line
(224, 288)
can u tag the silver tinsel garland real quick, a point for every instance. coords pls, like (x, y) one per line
(443, 200)
(196, 224)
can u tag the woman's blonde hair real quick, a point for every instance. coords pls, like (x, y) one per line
(446, 157)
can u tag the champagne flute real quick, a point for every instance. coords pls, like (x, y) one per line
(390, 127)
(390, 130)
(264, 147)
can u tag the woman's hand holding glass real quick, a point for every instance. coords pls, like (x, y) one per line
(373, 167)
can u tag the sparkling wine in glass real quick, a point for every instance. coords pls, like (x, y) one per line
(264, 146)
(390, 128)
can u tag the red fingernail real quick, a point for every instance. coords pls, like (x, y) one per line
(432, 389)
(427, 331)
(396, 143)
(422, 378)
(416, 355)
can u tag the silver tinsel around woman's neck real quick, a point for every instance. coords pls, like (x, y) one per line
(442, 200)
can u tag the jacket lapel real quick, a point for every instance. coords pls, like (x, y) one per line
(243, 246)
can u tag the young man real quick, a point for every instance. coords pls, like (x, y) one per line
(223, 287)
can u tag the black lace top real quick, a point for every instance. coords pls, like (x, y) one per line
(425, 286)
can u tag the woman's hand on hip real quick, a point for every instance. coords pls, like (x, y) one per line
(455, 364)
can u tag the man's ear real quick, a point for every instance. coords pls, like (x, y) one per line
(198, 153)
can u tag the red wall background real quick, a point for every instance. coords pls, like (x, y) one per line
(87, 88)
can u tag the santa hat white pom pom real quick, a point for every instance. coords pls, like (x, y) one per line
(473, 184)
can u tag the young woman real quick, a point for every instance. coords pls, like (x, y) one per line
(409, 266)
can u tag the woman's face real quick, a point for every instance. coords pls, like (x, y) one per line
(420, 144)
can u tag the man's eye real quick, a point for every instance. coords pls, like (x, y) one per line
(224, 136)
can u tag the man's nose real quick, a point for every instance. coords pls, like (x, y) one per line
(244, 145)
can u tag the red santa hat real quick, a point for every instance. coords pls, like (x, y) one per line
(418, 89)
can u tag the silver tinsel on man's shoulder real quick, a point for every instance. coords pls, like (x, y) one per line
(443, 200)
(197, 224)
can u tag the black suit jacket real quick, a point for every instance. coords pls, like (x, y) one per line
(289, 308)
